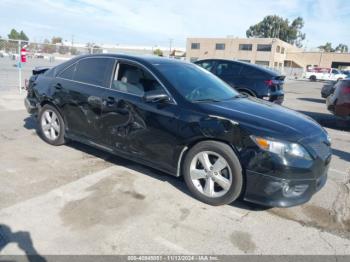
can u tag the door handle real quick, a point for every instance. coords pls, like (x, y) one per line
(58, 86)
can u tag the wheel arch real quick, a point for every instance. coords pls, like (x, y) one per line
(251, 92)
(191, 144)
(51, 103)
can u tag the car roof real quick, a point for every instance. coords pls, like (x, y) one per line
(266, 70)
(150, 59)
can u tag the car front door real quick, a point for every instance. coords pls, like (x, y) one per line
(79, 91)
(132, 126)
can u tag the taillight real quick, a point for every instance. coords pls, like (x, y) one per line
(269, 82)
(346, 90)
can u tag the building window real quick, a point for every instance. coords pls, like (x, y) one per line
(220, 46)
(193, 59)
(246, 47)
(195, 45)
(278, 49)
(276, 64)
(243, 60)
(264, 48)
(262, 63)
(282, 50)
(280, 65)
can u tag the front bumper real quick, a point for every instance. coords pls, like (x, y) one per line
(277, 192)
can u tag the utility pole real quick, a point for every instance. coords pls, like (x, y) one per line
(19, 65)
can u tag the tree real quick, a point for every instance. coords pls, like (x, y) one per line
(15, 35)
(326, 47)
(342, 48)
(158, 52)
(273, 26)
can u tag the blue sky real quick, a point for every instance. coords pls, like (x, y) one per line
(154, 22)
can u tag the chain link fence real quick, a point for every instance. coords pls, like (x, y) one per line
(13, 73)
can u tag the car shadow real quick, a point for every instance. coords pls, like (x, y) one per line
(31, 124)
(341, 154)
(23, 241)
(328, 120)
(315, 100)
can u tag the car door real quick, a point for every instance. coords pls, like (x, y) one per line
(229, 72)
(79, 89)
(145, 130)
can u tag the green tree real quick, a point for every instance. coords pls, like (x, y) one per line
(273, 26)
(158, 52)
(15, 35)
(342, 48)
(326, 47)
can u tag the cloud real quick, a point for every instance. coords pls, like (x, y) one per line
(155, 21)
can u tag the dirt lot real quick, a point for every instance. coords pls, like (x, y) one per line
(77, 200)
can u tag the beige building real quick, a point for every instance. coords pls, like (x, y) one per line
(270, 52)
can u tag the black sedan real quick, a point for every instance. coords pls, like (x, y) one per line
(183, 120)
(248, 79)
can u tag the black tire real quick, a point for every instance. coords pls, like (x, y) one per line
(228, 154)
(313, 78)
(60, 139)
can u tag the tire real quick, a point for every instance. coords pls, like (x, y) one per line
(51, 125)
(313, 78)
(202, 181)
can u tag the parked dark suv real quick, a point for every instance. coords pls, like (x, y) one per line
(181, 119)
(248, 79)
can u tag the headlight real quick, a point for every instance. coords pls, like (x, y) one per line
(282, 148)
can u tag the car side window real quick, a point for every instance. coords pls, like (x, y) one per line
(208, 65)
(94, 71)
(134, 80)
(68, 73)
(228, 69)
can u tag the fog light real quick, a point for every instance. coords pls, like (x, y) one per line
(293, 191)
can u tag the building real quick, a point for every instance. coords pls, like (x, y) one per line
(269, 52)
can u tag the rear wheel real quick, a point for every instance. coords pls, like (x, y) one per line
(51, 125)
(312, 78)
(213, 173)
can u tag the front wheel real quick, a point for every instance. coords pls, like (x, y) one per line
(51, 125)
(213, 173)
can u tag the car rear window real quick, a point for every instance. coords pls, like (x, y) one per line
(94, 71)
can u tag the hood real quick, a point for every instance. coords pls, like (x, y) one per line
(266, 119)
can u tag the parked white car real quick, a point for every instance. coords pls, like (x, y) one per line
(317, 73)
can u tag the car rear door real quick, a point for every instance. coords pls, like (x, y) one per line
(229, 72)
(133, 127)
(79, 89)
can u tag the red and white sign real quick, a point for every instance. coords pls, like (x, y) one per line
(23, 55)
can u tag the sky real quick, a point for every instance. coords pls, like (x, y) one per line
(155, 22)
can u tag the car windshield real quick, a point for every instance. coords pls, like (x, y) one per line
(195, 83)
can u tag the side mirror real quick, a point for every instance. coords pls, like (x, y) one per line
(156, 96)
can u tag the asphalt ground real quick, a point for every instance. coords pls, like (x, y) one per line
(74, 199)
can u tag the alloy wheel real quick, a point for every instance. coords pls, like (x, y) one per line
(210, 174)
(50, 125)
